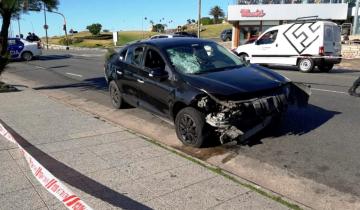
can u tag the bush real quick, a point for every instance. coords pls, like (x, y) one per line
(94, 28)
(62, 41)
(207, 21)
(77, 40)
(99, 37)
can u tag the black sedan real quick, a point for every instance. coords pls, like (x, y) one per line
(204, 88)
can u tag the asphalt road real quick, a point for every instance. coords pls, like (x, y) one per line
(320, 142)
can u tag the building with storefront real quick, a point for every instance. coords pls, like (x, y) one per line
(249, 20)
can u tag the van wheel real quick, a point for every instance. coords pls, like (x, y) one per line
(244, 57)
(27, 56)
(115, 94)
(306, 65)
(325, 67)
(191, 127)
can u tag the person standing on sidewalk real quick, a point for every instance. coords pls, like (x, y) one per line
(356, 85)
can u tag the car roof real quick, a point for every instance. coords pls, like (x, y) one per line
(166, 43)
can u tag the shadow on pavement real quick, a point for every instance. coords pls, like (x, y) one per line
(297, 121)
(336, 70)
(53, 57)
(98, 83)
(75, 178)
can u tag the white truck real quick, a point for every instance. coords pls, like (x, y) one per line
(305, 43)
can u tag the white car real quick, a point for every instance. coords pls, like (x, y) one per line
(22, 49)
(161, 36)
(305, 43)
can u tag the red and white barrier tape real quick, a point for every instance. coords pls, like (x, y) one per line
(47, 180)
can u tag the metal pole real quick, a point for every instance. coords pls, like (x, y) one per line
(46, 28)
(65, 28)
(18, 19)
(356, 17)
(199, 19)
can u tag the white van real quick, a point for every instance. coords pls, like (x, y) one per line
(305, 43)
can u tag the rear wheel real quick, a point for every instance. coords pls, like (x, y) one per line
(244, 57)
(325, 67)
(191, 127)
(115, 94)
(27, 56)
(306, 65)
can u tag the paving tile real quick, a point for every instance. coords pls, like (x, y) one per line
(23, 199)
(250, 201)
(133, 155)
(157, 204)
(110, 177)
(152, 166)
(205, 194)
(5, 156)
(169, 181)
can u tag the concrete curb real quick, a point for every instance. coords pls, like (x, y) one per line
(62, 47)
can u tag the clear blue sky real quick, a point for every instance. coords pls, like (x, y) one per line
(115, 14)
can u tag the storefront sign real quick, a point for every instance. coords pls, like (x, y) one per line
(248, 13)
(257, 12)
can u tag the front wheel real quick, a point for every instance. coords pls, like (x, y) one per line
(191, 127)
(306, 65)
(325, 67)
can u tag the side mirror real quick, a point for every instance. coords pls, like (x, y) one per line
(159, 74)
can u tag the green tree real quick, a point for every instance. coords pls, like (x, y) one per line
(13, 8)
(158, 28)
(94, 28)
(206, 21)
(217, 13)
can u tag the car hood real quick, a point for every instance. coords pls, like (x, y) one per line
(245, 80)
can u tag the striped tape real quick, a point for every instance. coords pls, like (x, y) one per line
(46, 179)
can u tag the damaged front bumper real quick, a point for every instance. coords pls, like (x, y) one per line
(241, 119)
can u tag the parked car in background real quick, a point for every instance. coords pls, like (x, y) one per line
(226, 35)
(304, 43)
(186, 34)
(207, 91)
(161, 36)
(22, 49)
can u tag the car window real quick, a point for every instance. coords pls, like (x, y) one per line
(268, 38)
(137, 56)
(202, 58)
(154, 60)
(11, 42)
(122, 56)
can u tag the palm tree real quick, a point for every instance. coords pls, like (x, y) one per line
(216, 12)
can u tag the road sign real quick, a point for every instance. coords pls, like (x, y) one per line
(46, 27)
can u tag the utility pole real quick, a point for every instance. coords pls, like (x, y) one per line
(356, 18)
(46, 28)
(18, 20)
(199, 19)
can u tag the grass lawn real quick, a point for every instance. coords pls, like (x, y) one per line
(124, 37)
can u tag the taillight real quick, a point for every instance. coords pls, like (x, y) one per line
(39, 45)
(321, 50)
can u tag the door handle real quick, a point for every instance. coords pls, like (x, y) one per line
(140, 81)
(119, 72)
(276, 45)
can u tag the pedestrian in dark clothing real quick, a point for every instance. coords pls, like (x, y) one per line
(29, 37)
(35, 38)
(353, 90)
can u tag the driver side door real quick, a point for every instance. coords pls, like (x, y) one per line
(265, 48)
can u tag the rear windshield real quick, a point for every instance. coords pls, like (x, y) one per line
(332, 33)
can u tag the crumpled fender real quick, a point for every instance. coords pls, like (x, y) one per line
(299, 94)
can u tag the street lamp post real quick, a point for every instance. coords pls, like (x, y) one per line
(356, 18)
(65, 28)
(199, 19)
(46, 28)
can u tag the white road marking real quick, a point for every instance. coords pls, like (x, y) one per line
(76, 75)
(40, 67)
(330, 91)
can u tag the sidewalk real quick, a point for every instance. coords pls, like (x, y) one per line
(107, 166)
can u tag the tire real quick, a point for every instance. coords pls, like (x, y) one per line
(115, 94)
(306, 65)
(325, 67)
(27, 56)
(190, 127)
(244, 56)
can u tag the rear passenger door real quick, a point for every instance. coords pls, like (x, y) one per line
(15, 47)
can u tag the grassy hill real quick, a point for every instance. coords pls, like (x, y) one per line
(84, 39)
